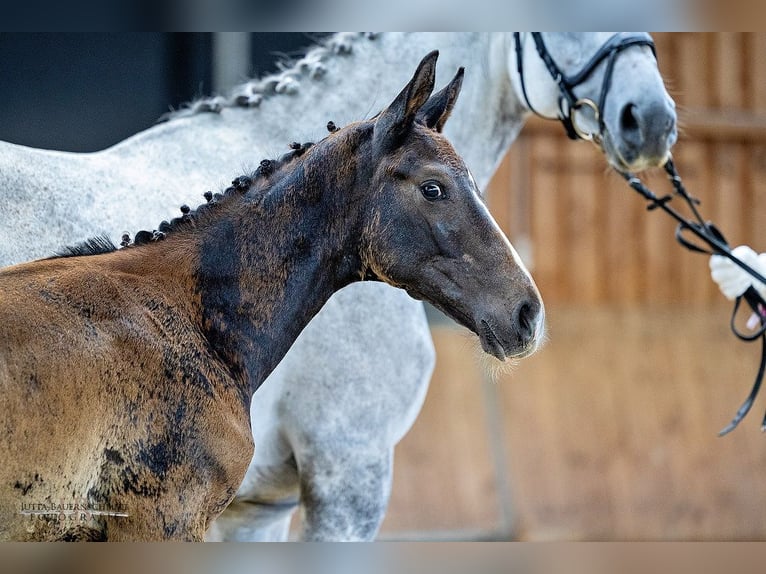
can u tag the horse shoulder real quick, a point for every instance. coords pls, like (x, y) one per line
(166, 426)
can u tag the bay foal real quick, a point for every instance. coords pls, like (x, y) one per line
(126, 375)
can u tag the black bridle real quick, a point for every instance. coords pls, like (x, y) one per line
(569, 103)
(713, 242)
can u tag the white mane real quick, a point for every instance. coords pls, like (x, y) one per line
(287, 81)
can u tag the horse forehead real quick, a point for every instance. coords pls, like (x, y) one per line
(435, 147)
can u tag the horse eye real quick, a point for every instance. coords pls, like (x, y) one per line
(432, 191)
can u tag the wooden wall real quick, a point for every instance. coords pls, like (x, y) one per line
(590, 239)
(609, 432)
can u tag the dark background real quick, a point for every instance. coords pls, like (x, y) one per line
(85, 91)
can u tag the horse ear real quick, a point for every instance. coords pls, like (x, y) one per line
(395, 121)
(439, 106)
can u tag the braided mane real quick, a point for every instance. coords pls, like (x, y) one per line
(287, 81)
(258, 182)
(250, 94)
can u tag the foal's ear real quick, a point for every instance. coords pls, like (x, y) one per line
(439, 106)
(395, 121)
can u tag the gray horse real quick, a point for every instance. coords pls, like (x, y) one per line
(325, 434)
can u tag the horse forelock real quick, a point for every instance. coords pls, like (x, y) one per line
(287, 81)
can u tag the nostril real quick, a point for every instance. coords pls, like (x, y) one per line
(670, 123)
(526, 319)
(628, 119)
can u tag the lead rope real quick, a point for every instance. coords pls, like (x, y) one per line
(715, 245)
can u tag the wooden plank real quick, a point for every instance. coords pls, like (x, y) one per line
(615, 234)
(695, 75)
(660, 255)
(558, 438)
(612, 428)
(728, 165)
(728, 81)
(544, 217)
(757, 71)
(666, 47)
(754, 174)
(444, 479)
(562, 207)
(520, 216)
(725, 124)
(580, 197)
(695, 165)
(624, 242)
(755, 180)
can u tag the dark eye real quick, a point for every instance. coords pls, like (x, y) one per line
(432, 191)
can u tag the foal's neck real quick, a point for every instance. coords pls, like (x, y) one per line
(268, 260)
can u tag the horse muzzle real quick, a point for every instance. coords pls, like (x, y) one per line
(642, 137)
(516, 336)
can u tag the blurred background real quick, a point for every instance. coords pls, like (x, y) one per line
(609, 432)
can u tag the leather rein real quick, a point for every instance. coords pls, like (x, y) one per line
(710, 240)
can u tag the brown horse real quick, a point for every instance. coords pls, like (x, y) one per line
(126, 375)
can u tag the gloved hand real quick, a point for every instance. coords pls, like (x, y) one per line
(731, 279)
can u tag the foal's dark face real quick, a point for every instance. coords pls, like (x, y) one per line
(430, 233)
(435, 238)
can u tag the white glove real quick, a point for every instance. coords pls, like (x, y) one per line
(733, 280)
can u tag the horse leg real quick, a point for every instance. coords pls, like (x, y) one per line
(268, 496)
(344, 496)
(252, 521)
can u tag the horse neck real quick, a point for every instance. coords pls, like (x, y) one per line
(264, 262)
(485, 121)
(489, 114)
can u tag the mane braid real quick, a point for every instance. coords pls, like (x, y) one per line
(287, 81)
(260, 181)
(93, 246)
